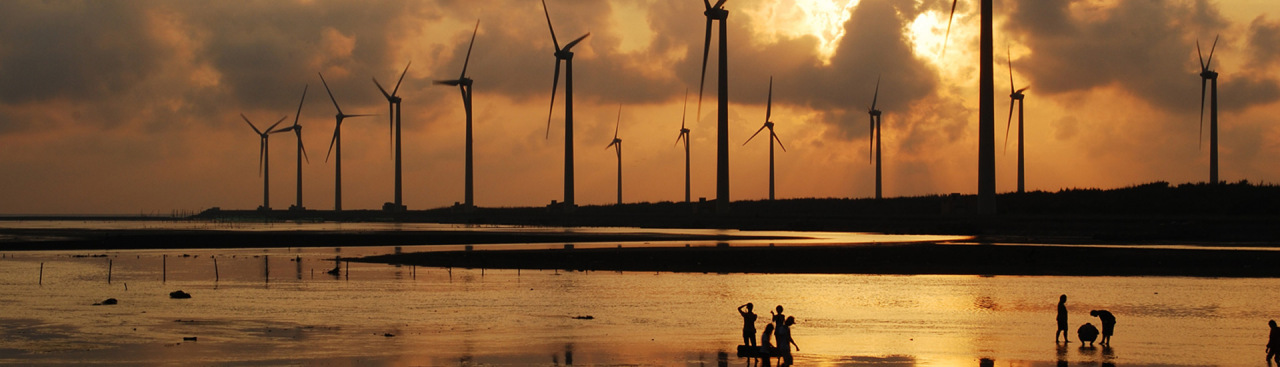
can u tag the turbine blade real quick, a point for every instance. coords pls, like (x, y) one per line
(718, 4)
(706, 47)
(402, 73)
(380, 89)
(571, 44)
(707, 3)
(1010, 55)
(876, 96)
(255, 128)
(871, 139)
(685, 111)
(611, 144)
(617, 123)
(304, 99)
(1024, 89)
(1201, 56)
(302, 146)
(332, 140)
(467, 61)
(775, 138)
(1008, 125)
(447, 82)
(273, 126)
(555, 83)
(753, 136)
(1209, 63)
(553, 29)
(326, 89)
(768, 109)
(678, 137)
(262, 154)
(947, 37)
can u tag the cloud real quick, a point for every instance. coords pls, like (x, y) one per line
(1264, 43)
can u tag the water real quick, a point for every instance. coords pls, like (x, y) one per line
(267, 309)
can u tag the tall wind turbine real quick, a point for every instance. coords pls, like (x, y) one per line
(302, 151)
(393, 118)
(718, 12)
(1015, 96)
(616, 144)
(565, 55)
(336, 142)
(772, 137)
(684, 134)
(986, 111)
(1206, 75)
(874, 138)
(464, 84)
(263, 167)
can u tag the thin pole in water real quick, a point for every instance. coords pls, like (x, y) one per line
(215, 268)
(348, 270)
(164, 268)
(266, 267)
(108, 271)
(41, 273)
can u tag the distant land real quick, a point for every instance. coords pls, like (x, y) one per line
(1230, 213)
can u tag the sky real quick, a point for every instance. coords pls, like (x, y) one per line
(133, 107)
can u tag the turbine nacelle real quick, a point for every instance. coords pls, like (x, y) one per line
(1209, 74)
(716, 12)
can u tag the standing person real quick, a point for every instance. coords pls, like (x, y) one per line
(1108, 324)
(748, 325)
(1062, 320)
(785, 342)
(778, 320)
(1273, 343)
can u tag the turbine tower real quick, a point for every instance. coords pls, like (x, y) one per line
(464, 85)
(986, 111)
(565, 55)
(772, 137)
(302, 151)
(874, 138)
(1016, 96)
(263, 167)
(1206, 75)
(616, 144)
(718, 12)
(336, 141)
(684, 134)
(393, 120)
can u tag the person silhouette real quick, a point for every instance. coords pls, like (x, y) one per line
(748, 325)
(785, 342)
(1108, 324)
(778, 319)
(766, 346)
(1273, 343)
(1062, 319)
(1087, 333)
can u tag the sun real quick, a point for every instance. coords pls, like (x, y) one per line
(822, 19)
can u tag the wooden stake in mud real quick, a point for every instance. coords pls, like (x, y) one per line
(41, 273)
(266, 268)
(108, 271)
(215, 268)
(164, 268)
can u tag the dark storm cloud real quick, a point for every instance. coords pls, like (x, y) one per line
(1140, 46)
(1264, 42)
(73, 50)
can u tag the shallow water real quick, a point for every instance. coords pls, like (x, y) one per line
(277, 306)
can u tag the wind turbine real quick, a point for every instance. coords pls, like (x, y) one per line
(464, 85)
(616, 144)
(1206, 75)
(1015, 96)
(302, 151)
(874, 138)
(263, 167)
(986, 111)
(718, 12)
(393, 109)
(565, 55)
(336, 141)
(772, 137)
(684, 134)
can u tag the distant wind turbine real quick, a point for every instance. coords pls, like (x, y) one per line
(464, 84)
(768, 111)
(1207, 74)
(718, 12)
(874, 138)
(616, 144)
(684, 134)
(565, 55)
(336, 142)
(1016, 96)
(986, 110)
(263, 167)
(302, 151)
(393, 110)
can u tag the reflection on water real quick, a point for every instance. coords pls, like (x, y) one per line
(279, 305)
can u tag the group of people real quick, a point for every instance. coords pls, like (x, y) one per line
(1087, 332)
(779, 328)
